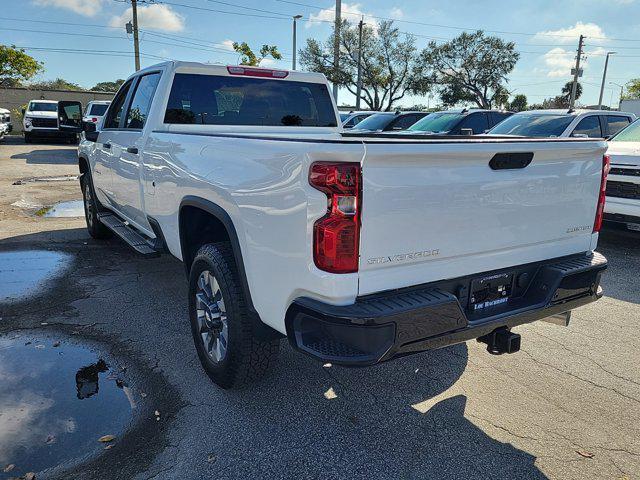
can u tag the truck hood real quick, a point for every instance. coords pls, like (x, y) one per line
(42, 114)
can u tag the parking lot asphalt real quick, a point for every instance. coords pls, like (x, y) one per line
(567, 406)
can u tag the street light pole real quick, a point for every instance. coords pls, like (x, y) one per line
(604, 78)
(359, 88)
(136, 45)
(336, 48)
(295, 32)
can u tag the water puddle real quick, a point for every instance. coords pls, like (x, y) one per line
(57, 400)
(73, 208)
(25, 272)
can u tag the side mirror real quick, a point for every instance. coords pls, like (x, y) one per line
(23, 110)
(70, 116)
(90, 131)
(466, 131)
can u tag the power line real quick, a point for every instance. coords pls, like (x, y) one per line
(413, 22)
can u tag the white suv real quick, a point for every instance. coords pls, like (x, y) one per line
(95, 110)
(563, 123)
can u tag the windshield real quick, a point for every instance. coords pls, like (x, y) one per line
(43, 107)
(629, 134)
(377, 121)
(437, 122)
(533, 125)
(98, 109)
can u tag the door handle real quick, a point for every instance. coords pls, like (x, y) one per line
(133, 150)
(106, 145)
(511, 161)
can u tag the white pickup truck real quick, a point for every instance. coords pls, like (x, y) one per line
(358, 249)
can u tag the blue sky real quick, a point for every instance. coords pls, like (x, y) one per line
(545, 31)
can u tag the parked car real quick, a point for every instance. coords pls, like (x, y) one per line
(458, 122)
(95, 110)
(357, 248)
(388, 121)
(563, 123)
(40, 120)
(5, 122)
(351, 119)
(623, 184)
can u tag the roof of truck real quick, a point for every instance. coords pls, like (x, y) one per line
(218, 69)
(35, 100)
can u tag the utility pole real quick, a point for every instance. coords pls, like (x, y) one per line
(136, 45)
(295, 32)
(336, 48)
(576, 73)
(359, 88)
(604, 78)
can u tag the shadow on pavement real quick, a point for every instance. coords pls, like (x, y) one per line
(59, 156)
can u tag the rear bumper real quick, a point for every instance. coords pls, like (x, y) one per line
(391, 324)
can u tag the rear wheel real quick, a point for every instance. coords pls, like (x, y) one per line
(27, 138)
(221, 324)
(94, 225)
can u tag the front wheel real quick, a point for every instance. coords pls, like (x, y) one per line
(221, 324)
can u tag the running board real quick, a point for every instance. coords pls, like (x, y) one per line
(128, 234)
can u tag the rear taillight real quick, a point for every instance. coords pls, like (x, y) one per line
(94, 120)
(336, 236)
(606, 166)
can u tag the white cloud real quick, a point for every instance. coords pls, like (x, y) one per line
(227, 45)
(88, 8)
(570, 35)
(350, 11)
(153, 17)
(267, 62)
(559, 62)
(397, 13)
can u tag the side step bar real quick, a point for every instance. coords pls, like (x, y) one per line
(128, 234)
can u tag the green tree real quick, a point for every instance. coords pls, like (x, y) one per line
(16, 65)
(566, 92)
(250, 58)
(57, 84)
(108, 86)
(472, 67)
(632, 89)
(519, 103)
(389, 67)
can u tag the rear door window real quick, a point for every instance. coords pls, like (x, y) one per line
(141, 102)
(98, 109)
(589, 126)
(615, 123)
(116, 110)
(405, 121)
(222, 100)
(477, 122)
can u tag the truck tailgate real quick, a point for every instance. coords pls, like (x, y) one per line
(437, 210)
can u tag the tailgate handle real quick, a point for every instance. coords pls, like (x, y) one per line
(510, 161)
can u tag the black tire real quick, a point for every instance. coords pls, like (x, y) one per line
(28, 138)
(95, 228)
(247, 358)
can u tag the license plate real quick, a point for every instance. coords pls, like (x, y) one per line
(492, 291)
(634, 226)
